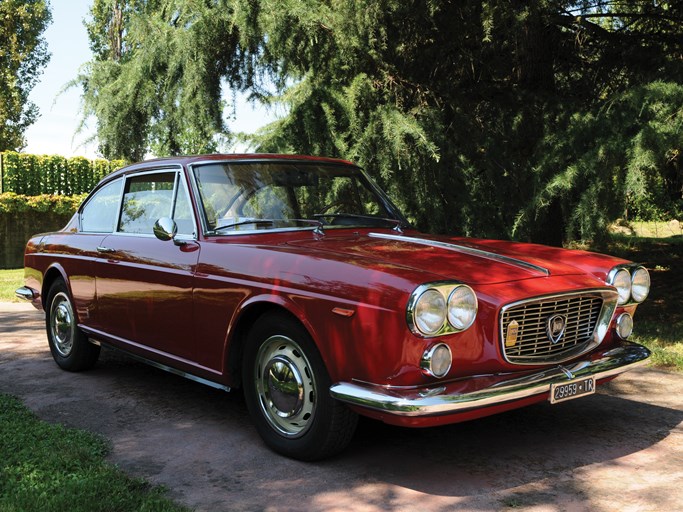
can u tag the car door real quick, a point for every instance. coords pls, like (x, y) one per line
(144, 285)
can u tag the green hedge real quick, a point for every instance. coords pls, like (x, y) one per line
(33, 175)
(60, 205)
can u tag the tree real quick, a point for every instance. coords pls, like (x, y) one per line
(462, 109)
(23, 55)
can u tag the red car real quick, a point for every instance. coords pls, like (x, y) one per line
(299, 281)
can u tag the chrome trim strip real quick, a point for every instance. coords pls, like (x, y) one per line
(99, 338)
(466, 250)
(427, 402)
(24, 293)
(174, 371)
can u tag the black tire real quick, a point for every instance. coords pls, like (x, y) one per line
(286, 389)
(70, 348)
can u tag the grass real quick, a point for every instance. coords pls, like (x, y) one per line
(46, 467)
(10, 280)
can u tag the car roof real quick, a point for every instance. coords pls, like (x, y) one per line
(242, 157)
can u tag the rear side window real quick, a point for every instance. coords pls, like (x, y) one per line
(101, 211)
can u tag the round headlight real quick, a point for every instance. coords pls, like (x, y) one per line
(430, 312)
(640, 284)
(462, 307)
(622, 282)
(437, 360)
(624, 325)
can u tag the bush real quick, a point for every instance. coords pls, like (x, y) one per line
(61, 205)
(33, 175)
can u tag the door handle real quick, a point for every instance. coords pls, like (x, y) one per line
(107, 250)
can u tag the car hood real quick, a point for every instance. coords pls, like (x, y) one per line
(471, 261)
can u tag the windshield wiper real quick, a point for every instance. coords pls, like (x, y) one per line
(398, 225)
(257, 222)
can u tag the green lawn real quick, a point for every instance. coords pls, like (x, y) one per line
(10, 280)
(46, 467)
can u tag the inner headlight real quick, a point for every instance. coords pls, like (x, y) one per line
(640, 284)
(462, 307)
(621, 280)
(430, 312)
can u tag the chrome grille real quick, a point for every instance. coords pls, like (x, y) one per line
(532, 344)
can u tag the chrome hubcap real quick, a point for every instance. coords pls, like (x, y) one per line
(285, 387)
(62, 324)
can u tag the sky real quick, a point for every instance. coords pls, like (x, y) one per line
(54, 132)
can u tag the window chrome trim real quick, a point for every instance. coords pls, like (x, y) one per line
(384, 198)
(602, 324)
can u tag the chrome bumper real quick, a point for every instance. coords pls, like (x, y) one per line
(484, 391)
(25, 293)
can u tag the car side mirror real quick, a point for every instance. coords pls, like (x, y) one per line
(165, 229)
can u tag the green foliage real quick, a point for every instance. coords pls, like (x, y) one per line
(62, 205)
(51, 174)
(492, 118)
(620, 159)
(47, 467)
(157, 84)
(23, 54)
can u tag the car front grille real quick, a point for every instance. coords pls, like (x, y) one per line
(532, 343)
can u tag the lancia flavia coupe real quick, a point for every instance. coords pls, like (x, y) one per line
(299, 281)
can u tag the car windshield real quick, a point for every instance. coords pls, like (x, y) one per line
(270, 195)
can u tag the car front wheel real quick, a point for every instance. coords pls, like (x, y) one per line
(70, 348)
(286, 387)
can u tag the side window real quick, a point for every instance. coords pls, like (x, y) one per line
(100, 212)
(146, 198)
(182, 212)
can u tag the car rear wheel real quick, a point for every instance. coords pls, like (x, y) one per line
(286, 387)
(70, 348)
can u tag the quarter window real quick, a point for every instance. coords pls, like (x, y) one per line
(182, 211)
(100, 212)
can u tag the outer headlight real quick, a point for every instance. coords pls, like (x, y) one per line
(430, 312)
(621, 280)
(462, 307)
(640, 284)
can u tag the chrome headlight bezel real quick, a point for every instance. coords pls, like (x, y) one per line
(417, 313)
(625, 277)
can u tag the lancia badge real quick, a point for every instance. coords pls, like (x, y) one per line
(513, 331)
(555, 327)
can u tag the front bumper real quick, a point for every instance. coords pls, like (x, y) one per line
(489, 390)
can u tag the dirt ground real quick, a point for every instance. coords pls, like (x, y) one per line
(621, 449)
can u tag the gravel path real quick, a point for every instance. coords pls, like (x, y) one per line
(621, 449)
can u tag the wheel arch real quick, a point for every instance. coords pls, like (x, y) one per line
(52, 274)
(245, 319)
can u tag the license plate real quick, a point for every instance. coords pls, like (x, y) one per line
(571, 389)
